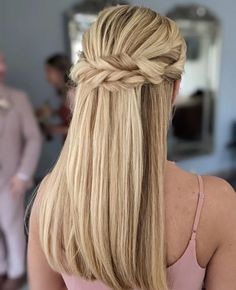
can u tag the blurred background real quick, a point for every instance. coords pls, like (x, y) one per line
(31, 31)
(39, 40)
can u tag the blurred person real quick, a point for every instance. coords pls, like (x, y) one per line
(57, 68)
(114, 213)
(20, 144)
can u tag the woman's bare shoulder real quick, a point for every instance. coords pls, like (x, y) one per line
(220, 211)
(218, 217)
(220, 204)
(218, 185)
(221, 198)
(220, 194)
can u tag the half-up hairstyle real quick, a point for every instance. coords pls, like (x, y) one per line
(102, 215)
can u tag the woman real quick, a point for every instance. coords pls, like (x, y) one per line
(57, 68)
(114, 213)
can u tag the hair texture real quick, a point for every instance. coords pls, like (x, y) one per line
(102, 214)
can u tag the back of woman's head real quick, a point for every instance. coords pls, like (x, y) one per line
(103, 215)
(61, 63)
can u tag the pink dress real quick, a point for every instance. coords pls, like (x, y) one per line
(185, 274)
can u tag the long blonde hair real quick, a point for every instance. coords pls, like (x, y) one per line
(102, 214)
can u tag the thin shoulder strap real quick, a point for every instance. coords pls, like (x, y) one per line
(199, 207)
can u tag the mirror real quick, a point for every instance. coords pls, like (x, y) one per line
(79, 18)
(192, 130)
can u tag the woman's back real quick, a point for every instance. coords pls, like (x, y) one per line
(189, 199)
(215, 236)
(185, 272)
(112, 203)
(213, 225)
(182, 195)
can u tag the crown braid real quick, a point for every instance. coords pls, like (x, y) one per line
(123, 71)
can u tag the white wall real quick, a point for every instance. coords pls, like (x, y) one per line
(30, 30)
(1, 24)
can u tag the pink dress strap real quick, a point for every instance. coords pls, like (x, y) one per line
(199, 207)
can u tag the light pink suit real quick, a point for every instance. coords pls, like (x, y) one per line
(20, 145)
(185, 274)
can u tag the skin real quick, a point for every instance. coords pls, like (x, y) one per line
(54, 77)
(216, 237)
(17, 185)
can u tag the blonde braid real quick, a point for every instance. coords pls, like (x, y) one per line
(124, 72)
(103, 213)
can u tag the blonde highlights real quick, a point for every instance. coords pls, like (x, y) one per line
(102, 216)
